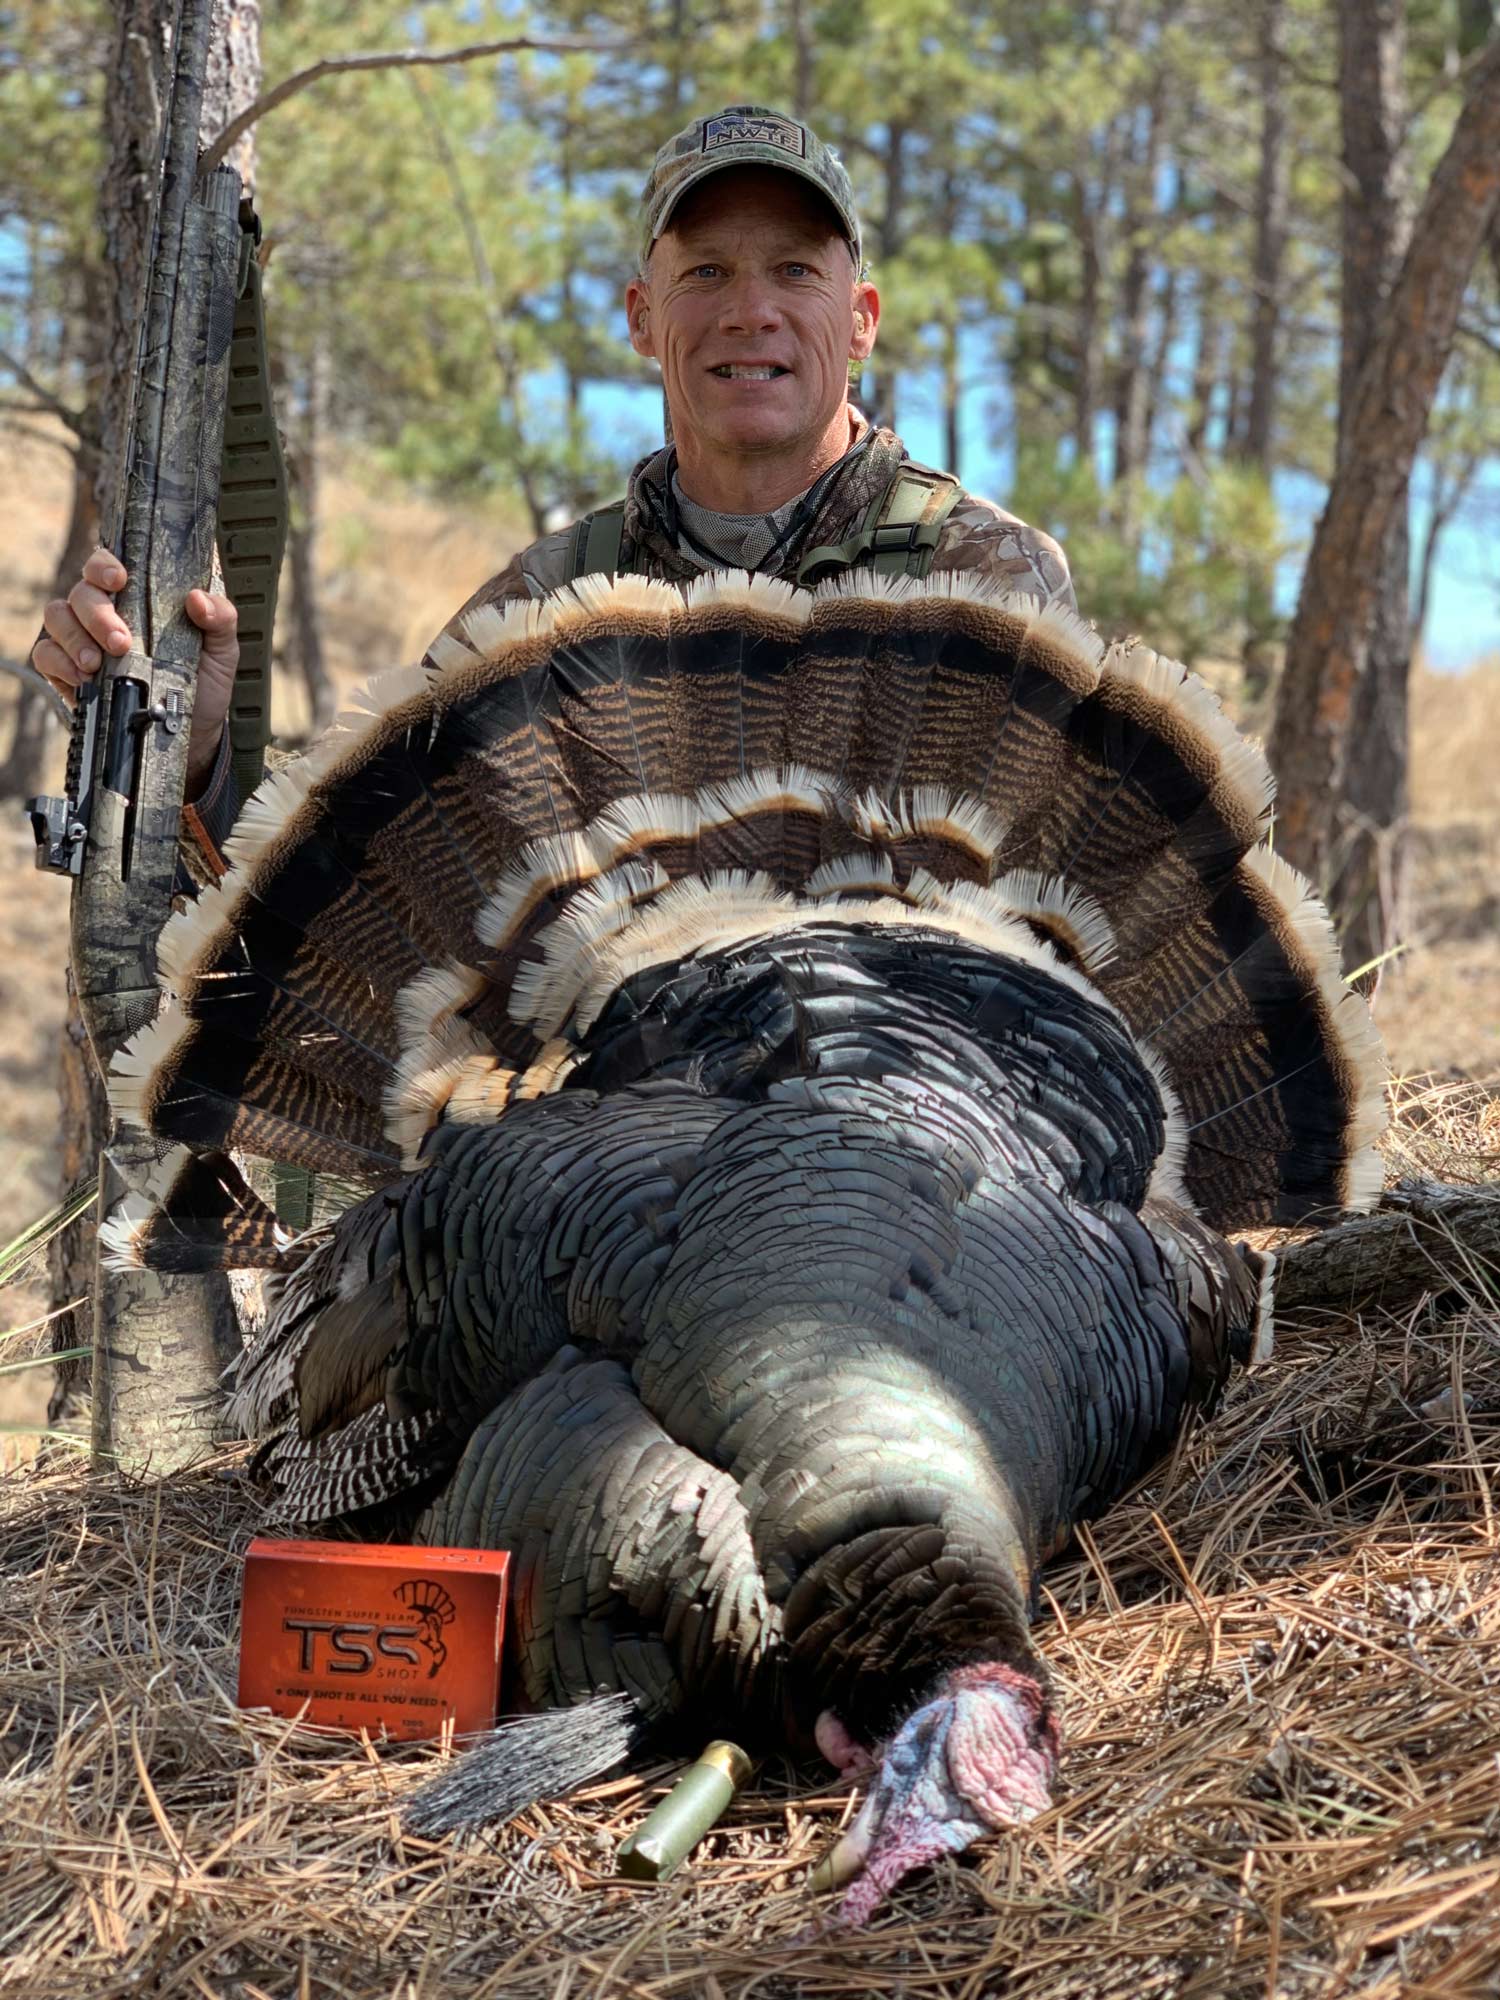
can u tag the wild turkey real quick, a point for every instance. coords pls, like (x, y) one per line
(806, 1048)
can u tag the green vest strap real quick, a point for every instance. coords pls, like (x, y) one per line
(596, 542)
(252, 521)
(251, 533)
(899, 533)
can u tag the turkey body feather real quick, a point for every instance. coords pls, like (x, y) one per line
(826, 1037)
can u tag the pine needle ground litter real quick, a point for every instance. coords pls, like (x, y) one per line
(1281, 1668)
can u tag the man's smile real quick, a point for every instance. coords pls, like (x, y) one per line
(749, 371)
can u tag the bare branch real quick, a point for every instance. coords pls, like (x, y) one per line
(44, 396)
(566, 45)
(23, 671)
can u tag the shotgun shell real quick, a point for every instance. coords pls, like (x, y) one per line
(671, 1830)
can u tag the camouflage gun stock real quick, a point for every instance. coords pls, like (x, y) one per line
(115, 829)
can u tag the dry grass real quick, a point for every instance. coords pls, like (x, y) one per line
(1281, 1668)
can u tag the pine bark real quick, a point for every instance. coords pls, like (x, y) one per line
(1388, 409)
(1161, 359)
(878, 385)
(1425, 1237)
(1208, 356)
(35, 734)
(1132, 380)
(1087, 222)
(1271, 196)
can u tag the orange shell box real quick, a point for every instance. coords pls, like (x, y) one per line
(373, 1636)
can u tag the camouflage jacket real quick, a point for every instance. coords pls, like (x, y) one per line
(976, 536)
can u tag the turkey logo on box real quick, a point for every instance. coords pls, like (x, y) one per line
(432, 1604)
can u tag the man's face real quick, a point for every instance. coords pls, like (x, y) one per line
(751, 306)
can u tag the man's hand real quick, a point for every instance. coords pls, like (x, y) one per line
(83, 626)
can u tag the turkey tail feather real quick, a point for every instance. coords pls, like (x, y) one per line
(196, 1213)
(423, 920)
(527, 1759)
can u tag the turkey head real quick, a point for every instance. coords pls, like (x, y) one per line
(975, 1758)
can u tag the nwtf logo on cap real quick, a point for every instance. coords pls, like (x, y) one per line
(755, 132)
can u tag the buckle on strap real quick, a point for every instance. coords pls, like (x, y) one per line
(901, 537)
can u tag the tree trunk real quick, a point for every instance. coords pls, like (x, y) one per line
(1086, 346)
(1367, 891)
(303, 478)
(1208, 357)
(83, 1127)
(675, 72)
(1270, 239)
(1132, 388)
(307, 625)
(1330, 640)
(1256, 445)
(1424, 1238)
(140, 69)
(1235, 402)
(31, 736)
(1161, 358)
(953, 389)
(803, 60)
(35, 732)
(953, 378)
(878, 387)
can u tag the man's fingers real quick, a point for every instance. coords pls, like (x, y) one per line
(61, 624)
(53, 664)
(105, 570)
(102, 624)
(218, 620)
(82, 627)
(211, 614)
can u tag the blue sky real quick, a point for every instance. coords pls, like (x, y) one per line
(1464, 616)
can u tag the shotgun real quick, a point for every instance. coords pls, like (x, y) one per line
(115, 830)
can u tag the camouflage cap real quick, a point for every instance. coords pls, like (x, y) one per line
(744, 135)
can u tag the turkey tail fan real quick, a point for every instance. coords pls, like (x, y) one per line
(424, 918)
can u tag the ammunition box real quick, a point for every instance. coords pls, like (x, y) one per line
(373, 1636)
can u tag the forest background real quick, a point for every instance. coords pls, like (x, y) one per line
(1131, 259)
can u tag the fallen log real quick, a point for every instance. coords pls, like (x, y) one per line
(1425, 1236)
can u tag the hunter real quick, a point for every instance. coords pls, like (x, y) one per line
(750, 296)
